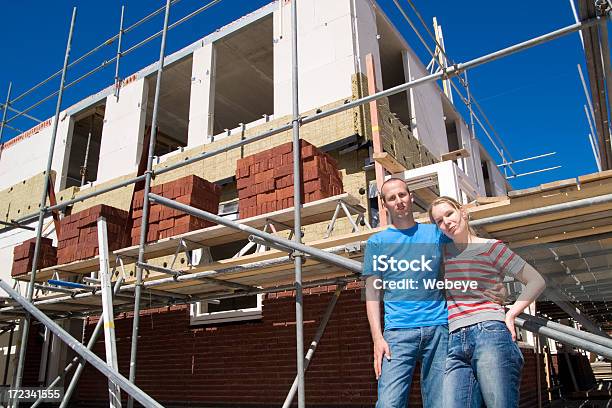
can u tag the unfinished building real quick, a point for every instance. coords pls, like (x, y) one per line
(217, 309)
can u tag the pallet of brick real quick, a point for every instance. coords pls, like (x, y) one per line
(23, 256)
(79, 238)
(265, 179)
(165, 222)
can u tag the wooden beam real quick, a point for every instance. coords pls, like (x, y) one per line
(388, 162)
(376, 142)
(544, 218)
(455, 154)
(562, 237)
(595, 176)
(489, 200)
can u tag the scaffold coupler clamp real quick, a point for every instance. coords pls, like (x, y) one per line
(451, 71)
(296, 254)
(151, 172)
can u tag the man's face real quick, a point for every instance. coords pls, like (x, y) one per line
(397, 199)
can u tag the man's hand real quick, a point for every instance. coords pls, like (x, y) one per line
(510, 324)
(497, 293)
(381, 349)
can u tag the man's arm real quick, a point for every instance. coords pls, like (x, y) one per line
(381, 348)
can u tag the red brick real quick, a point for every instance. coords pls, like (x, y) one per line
(166, 224)
(264, 175)
(309, 151)
(285, 148)
(283, 170)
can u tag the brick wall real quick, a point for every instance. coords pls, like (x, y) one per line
(253, 363)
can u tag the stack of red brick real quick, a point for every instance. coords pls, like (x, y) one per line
(79, 232)
(165, 222)
(265, 179)
(23, 255)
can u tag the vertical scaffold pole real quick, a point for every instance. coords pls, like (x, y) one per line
(114, 392)
(472, 124)
(8, 355)
(5, 109)
(145, 207)
(297, 201)
(25, 323)
(119, 38)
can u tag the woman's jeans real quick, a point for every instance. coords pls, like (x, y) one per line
(483, 367)
(424, 344)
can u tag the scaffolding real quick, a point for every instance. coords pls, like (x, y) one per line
(340, 257)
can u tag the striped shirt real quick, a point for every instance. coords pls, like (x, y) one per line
(472, 270)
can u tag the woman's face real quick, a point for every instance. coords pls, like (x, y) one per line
(450, 220)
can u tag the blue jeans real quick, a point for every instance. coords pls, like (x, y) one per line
(483, 367)
(424, 344)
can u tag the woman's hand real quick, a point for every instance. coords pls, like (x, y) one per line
(510, 316)
(381, 349)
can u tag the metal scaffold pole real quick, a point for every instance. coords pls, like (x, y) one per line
(80, 349)
(146, 204)
(119, 38)
(297, 205)
(315, 342)
(25, 323)
(114, 393)
(5, 109)
(78, 362)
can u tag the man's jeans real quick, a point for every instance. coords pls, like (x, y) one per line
(483, 364)
(425, 344)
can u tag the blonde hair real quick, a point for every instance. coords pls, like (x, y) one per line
(450, 201)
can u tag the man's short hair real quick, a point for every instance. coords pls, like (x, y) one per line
(382, 196)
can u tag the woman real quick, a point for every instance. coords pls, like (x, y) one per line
(484, 363)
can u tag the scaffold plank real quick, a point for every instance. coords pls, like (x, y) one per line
(313, 212)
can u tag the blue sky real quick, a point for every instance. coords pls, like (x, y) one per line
(534, 99)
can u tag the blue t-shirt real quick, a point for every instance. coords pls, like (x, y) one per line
(407, 263)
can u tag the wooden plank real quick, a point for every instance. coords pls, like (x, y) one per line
(475, 211)
(524, 191)
(265, 275)
(54, 213)
(377, 145)
(544, 199)
(274, 254)
(587, 178)
(540, 219)
(388, 162)
(558, 227)
(490, 200)
(425, 193)
(571, 182)
(455, 154)
(547, 226)
(561, 237)
(567, 183)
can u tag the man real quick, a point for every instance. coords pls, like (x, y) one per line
(400, 260)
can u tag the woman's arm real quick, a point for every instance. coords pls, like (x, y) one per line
(534, 286)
